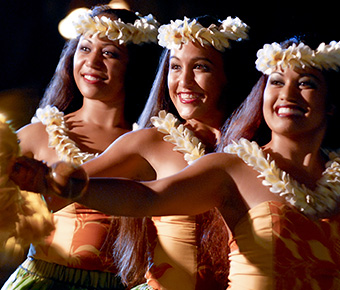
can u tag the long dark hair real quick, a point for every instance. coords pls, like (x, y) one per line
(234, 61)
(248, 121)
(63, 93)
(135, 251)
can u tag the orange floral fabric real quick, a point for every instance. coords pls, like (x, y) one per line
(80, 241)
(276, 247)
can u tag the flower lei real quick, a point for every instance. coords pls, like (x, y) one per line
(180, 32)
(143, 30)
(320, 203)
(24, 216)
(273, 55)
(182, 137)
(57, 130)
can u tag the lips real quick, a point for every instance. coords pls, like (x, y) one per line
(187, 98)
(92, 78)
(290, 111)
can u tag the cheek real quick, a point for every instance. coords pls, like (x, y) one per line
(171, 84)
(268, 105)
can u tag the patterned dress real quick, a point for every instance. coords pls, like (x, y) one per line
(77, 255)
(276, 247)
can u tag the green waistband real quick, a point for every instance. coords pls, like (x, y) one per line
(80, 277)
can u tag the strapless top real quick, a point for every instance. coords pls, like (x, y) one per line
(79, 241)
(274, 246)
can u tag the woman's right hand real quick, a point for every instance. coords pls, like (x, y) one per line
(63, 179)
(30, 174)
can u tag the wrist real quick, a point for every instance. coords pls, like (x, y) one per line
(67, 180)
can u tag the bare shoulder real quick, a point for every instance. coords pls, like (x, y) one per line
(31, 137)
(224, 161)
(140, 139)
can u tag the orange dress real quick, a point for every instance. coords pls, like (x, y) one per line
(77, 255)
(81, 241)
(274, 246)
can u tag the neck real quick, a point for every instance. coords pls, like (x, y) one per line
(209, 134)
(300, 154)
(103, 114)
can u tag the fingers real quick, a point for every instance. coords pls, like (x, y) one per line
(29, 174)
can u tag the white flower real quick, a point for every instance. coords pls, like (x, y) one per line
(57, 130)
(143, 30)
(322, 202)
(183, 139)
(273, 56)
(180, 32)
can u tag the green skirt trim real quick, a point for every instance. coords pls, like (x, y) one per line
(41, 275)
(142, 287)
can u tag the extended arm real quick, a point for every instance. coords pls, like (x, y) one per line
(194, 190)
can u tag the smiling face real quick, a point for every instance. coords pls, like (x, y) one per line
(196, 80)
(99, 68)
(295, 102)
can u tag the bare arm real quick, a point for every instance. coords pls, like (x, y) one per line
(196, 189)
(123, 158)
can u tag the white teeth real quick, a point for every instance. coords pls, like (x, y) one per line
(292, 111)
(188, 96)
(91, 78)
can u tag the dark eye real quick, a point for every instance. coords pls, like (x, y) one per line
(85, 49)
(111, 54)
(307, 84)
(276, 83)
(175, 66)
(201, 66)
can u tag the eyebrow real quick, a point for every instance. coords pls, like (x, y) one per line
(301, 75)
(104, 43)
(193, 59)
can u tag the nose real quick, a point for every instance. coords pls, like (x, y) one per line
(187, 78)
(94, 59)
(289, 92)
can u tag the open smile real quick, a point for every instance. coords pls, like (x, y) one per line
(92, 79)
(290, 111)
(187, 98)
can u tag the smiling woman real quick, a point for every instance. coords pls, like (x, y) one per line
(96, 84)
(197, 82)
(279, 199)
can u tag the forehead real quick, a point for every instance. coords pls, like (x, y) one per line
(102, 41)
(193, 50)
(299, 72)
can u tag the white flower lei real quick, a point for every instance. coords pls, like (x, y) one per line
(182, 137)
(180, 32)
(143, 30)
(272, 56)
(320, 203)
(57, 130)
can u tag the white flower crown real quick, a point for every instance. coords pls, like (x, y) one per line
(180, 32)
(143, 30)
(272, 56)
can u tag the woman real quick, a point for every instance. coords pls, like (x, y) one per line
(194, 80)
(284, 223)
(94, 84)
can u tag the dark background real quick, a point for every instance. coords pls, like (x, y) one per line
(31, 44)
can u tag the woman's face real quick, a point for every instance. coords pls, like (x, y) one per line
(99, 68)
(295, 101)
(196, 80)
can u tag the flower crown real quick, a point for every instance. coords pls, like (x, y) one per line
(272, 56)
(143, 30)
(180, 32)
